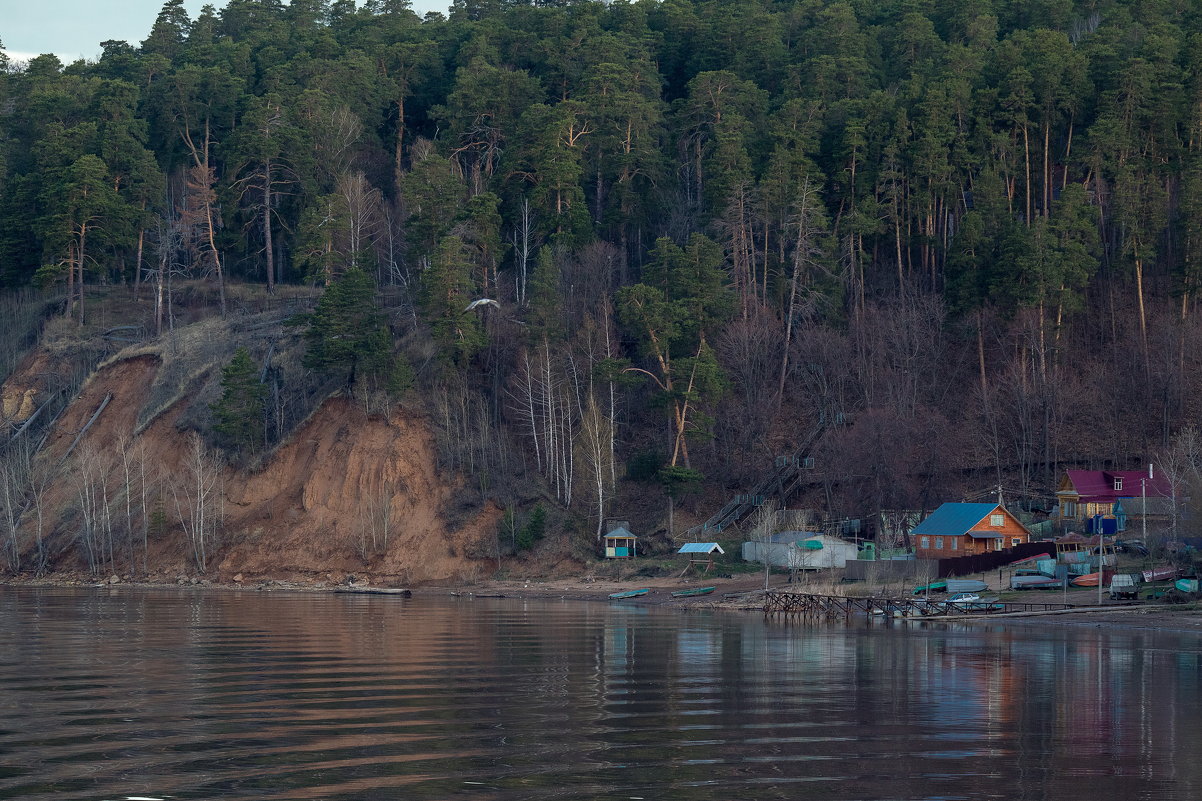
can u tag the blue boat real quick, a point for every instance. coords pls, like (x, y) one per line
(692, 592)
(618, 596)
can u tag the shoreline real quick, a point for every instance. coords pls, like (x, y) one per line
(570, 589)
(737, 594)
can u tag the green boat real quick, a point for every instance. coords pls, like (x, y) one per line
(1184, 585)
(618, 596)
(934, 586)
(692, 592)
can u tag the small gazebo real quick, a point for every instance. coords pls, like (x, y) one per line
(620, 544)
(701, 555)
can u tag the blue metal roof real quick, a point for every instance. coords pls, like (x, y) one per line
(701, 547)
(954, 519)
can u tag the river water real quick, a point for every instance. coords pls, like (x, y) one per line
(110, 694)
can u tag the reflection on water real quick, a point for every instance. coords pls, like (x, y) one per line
(106, 694)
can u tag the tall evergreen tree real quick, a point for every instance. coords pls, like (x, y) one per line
(238, 414)
(347, 335)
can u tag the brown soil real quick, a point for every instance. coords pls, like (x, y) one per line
(300, 517)
(20, 395)
(306, 511)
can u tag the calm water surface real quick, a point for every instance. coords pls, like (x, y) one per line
(106, 694)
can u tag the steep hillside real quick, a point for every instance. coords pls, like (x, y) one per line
(346, 493)
(341, 480)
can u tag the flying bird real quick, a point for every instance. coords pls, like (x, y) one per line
(482, 302)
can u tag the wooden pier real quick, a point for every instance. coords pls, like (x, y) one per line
(829, 607)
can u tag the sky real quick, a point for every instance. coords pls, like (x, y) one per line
(74, 29)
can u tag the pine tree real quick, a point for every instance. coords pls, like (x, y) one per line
(238, 416)
(446, 293)
(347, 335)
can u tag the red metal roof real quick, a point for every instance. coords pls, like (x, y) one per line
(1096, 486)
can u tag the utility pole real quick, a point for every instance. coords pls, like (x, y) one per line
(1143, 518)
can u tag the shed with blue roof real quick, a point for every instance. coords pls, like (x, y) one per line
(963, 529)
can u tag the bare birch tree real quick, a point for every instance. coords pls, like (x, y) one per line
(377, 520)
(13, 481)
(596, 445)
(198, 500)
(522, 239)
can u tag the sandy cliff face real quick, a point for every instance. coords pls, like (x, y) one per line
(347, 493)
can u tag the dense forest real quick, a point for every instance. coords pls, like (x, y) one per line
(661, 242)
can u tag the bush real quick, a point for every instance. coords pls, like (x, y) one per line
(679, 481)
(644, 466)
(534, 530)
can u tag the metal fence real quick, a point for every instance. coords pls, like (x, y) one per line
(981, 563)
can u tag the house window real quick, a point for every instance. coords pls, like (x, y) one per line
(926, 543)
(1016, 541)
(939, 543)
(1070, 509)
(997, 521)
(955, 543)
(1118, 483)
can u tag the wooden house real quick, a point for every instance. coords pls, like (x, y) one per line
(963, 529)
(1084, 495)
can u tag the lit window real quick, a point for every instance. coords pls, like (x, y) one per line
(939, 543)
(1118, 483)
(997, 521)
(926, 542)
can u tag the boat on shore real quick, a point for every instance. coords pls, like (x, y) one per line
(1160, 574)
(1034, 582)
(956, 586)
(618, 596)
(693, 592)
(1091, 579)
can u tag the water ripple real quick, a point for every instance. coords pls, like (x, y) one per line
(163, 694)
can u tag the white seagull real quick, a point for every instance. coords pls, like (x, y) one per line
(482, 302)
